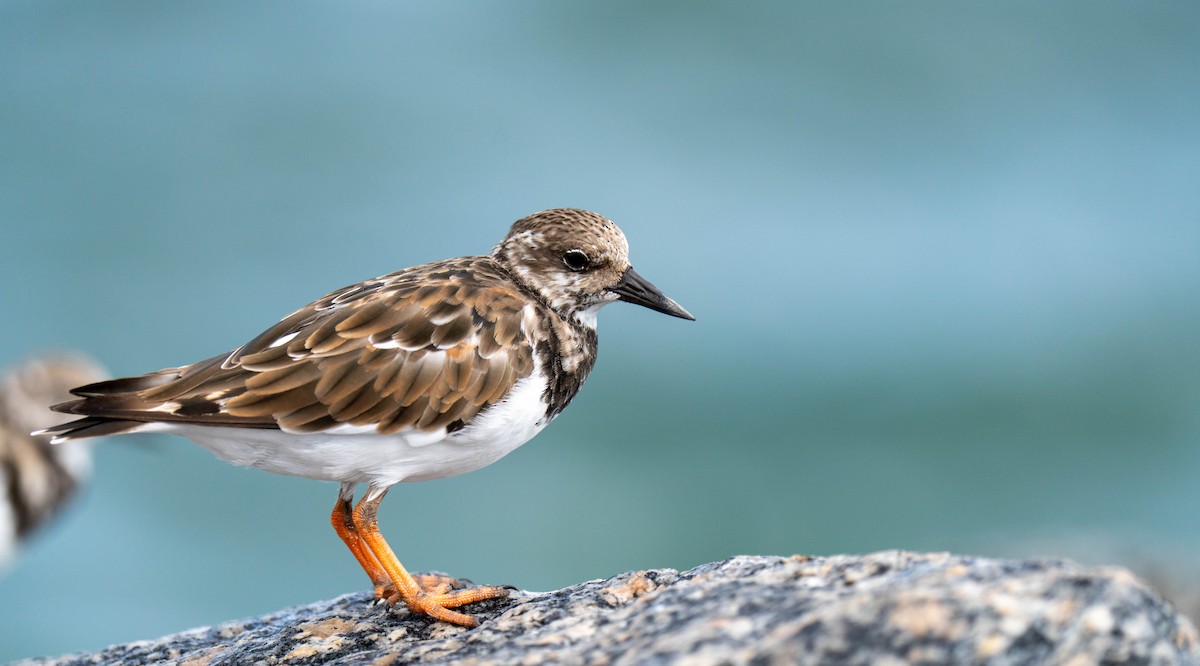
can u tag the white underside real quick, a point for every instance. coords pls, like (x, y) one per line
(381, 460)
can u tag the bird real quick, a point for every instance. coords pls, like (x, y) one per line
(424, 373)
(37, 480)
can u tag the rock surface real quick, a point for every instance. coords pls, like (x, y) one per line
(882, 609)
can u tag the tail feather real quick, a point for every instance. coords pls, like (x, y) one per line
(130, 404)
(92, 426)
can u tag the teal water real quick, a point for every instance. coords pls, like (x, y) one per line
(943, 258)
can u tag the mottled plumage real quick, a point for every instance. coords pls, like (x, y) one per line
(37, 479)
(428, 372)
(424, 348)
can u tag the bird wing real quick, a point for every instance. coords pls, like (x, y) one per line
(424, 348)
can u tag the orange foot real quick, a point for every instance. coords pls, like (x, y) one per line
(436, 584)
(444, 590)
(429, 594)
(438, 604)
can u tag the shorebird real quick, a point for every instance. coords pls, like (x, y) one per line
(428, 372)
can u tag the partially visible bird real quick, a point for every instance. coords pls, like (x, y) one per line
(37, 479)
(425, 373)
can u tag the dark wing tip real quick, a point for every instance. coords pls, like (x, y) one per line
(124, 384)
(67, 407)
(92, 426)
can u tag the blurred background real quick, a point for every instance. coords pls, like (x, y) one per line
(944, 258)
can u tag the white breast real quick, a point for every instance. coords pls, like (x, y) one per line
(381, 460)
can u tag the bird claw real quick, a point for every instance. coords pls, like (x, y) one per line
(384, 591)
(438, 604)
(433, 584)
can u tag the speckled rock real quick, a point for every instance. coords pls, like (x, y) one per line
(882, 609)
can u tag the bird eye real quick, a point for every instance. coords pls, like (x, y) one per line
(576, 260)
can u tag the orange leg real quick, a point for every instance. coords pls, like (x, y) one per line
(436, 603)
(343, 523)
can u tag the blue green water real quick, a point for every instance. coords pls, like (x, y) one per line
(944, 259)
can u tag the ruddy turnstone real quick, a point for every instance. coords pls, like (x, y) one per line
(37, 479)
(425, 373)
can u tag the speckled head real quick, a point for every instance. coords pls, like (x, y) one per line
(577, 261)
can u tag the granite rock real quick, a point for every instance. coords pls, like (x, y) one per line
(882, 609)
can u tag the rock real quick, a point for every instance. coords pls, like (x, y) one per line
(883, 609)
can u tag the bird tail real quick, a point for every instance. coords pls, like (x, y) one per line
(96, 398)
(91, 426)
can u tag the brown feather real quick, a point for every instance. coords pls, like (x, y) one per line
(460, 363)
(318, 425)
(488, 347)
(254, 404)
(506, 330)
(416, 333)
(352, 406)
(433, 419)
(478, 377)
(431, 295)
(333, 370)
(374, 360)
(364, 320)
(404, 418)
(348, 384)
(324, 338)
(427, 374)
(190, 377)
(424, 348)
(452, 332)
(507, 379)
(282, 379)
(303, 416)
(493, 382)
(126, 384)
(272, 358)
(382, 412)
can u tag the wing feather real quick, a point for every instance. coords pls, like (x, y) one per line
(345, 411)
(281, 379)
(428, 370)
(423, 348)
(404, 418)
(273, 358)
(364, 321)
(414, 334)
(347, 386)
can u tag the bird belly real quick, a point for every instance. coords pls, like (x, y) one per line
(360, 455)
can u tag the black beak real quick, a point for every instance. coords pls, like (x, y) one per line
(634, 288)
